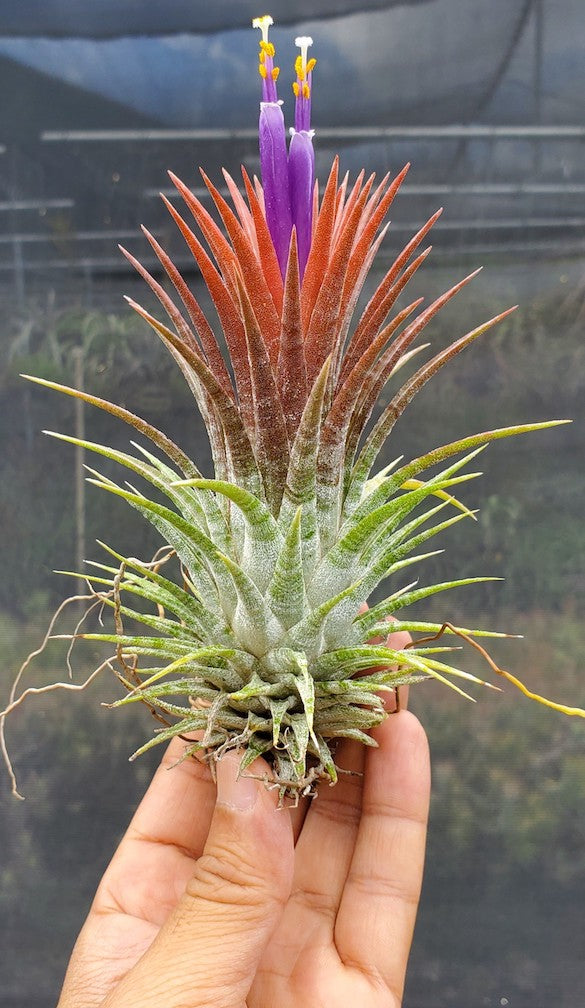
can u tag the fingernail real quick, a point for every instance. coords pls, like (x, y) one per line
(238, 792)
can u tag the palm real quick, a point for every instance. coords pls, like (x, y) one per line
(345, 916)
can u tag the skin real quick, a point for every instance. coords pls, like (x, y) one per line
(217, 898)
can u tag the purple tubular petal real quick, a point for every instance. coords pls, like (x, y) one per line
(301, 172)
(273, 163)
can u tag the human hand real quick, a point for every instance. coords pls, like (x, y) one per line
(216, 898)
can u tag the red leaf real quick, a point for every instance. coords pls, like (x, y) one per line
(320, 246)
(253, 277)
(229, 317)
(266, 251)
(292, 375)
(272, 445)
(202, 327)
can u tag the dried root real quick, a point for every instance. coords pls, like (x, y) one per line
(15, 701)
(562, 708)
(128, 677)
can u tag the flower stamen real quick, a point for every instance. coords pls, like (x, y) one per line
(287, 175)
(266, 68)
(302, 85)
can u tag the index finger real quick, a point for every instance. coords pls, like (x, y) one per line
(178, 805)
(166, 835)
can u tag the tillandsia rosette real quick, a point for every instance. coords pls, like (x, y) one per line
(255, 633)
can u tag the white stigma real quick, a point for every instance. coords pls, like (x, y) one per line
(263, 23)
(303, 42)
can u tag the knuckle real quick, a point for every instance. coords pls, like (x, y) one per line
(224, 875)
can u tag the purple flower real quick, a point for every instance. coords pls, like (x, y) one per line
(301, 171)
(287, 178)
(274, 167)
(301, 163)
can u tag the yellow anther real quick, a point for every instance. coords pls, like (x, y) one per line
(311, 64)
(306, 91)
(275, 73)
(296, 89)
(267, 47)
(261, 56)
(299, 68)
(303, 42)
(262, 70)
(263, 23)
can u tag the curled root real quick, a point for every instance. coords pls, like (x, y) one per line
(15, 701)
(128, 676)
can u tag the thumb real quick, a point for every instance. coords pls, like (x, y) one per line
(209, 949)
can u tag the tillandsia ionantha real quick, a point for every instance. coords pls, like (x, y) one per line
(262, 640)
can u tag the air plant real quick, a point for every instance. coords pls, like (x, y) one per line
(262, 641)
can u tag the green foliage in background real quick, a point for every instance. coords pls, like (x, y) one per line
(120, 361)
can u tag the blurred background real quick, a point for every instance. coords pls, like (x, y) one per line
(486, 99)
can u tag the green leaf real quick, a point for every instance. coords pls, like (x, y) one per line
(157, 437)
(286, 593)
(308, 634)
(418, 465)
(213, 521)
(196, 550)
(297, 747)
(187, 605)
(158, 623)
(327, 759)
(301, 486)
(256, 747)
(194, 722)
(252, 621)
(174, 687)
(400, 600)
(278, 709)
(166, 481)
(392, 484)
(419, 626)
(262, 534)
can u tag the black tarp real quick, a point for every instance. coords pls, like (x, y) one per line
(116, 18)
(70, 67)
(439, 61)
